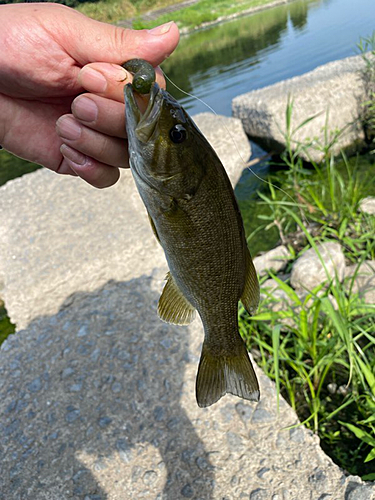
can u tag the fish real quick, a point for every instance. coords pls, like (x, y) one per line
(195, 217)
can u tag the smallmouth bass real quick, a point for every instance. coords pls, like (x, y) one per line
(195, 217)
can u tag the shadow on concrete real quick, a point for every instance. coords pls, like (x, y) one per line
(102, 378)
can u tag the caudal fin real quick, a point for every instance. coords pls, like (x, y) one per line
(219, 375)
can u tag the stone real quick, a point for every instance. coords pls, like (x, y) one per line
(356, 491)
(277, 299)
(259, 494)
(333, 93)
(228, 138)
(362, 280)
(187, 491)
(84, 225)
(308, 271)
(367, 205)
(275, 260)
(135, 414)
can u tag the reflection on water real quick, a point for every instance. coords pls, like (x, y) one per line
(232, 58)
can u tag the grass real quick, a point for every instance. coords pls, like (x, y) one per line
(111, 11)
(12, 167)
(187, 17)
(6, 326)
(205, 11)
(319, 347)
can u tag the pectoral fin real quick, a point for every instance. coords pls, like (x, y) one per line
(173, 307)
(250, 295)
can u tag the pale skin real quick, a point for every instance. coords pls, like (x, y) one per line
(61, 87)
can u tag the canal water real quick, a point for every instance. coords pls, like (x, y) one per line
(219, 63)
(229, 59)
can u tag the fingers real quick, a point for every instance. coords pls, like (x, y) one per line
(94, 135)
(104, 148)
(95, 173)
(101, 114)
(108, 80)
(105, 42)
(92, 155)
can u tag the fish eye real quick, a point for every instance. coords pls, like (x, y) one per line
(178, 133)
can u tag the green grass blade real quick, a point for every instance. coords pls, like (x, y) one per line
(370, 377)
(360, 433)
(276, 346)
(370, 456)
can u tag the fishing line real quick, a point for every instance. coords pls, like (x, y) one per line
(246, 164)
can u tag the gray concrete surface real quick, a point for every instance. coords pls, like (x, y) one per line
(333, 92)
(59, 235)
(97, 395)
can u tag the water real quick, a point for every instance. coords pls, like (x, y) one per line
(230, 59)
(222, 62)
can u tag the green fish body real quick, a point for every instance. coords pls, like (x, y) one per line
(195, 216)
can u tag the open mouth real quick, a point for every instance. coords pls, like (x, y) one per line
(142, 125)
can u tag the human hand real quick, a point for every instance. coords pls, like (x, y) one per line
(44, 48)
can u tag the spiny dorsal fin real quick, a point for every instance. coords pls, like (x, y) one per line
(219, 375)
(173, 307)
(250, 295)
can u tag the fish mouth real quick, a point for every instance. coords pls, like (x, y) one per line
(142, 125)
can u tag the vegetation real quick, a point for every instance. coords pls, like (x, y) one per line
(70, 3)
(12, 167)
(116, 10)
(6, 327)
(204, 11)
(367, 48)
(320, 349)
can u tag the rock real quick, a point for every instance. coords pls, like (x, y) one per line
(259, 494)
(96, 393)
(68, 230)
(334, 92)
(367, 205)
(227, 136)
(363, 280)
(357, 491)
(277, 300)
(308, 271)
(275, 260)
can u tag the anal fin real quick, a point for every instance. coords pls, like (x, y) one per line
(173, 307)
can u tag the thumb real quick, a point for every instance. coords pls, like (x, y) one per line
(93, 41)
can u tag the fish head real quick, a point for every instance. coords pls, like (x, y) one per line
(166, 148)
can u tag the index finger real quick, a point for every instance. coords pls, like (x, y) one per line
(108, 80)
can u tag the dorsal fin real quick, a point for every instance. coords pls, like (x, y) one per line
(250, 294)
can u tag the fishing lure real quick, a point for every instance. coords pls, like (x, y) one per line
(143, 75)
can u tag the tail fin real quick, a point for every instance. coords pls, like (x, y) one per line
(219, 375)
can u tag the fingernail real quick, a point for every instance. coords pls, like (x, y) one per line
(93, 80)
(162, 29)
(85, 109)
(68, 128)
(73, 156)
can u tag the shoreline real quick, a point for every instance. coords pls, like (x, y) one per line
(237, 15)
(150, 15)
